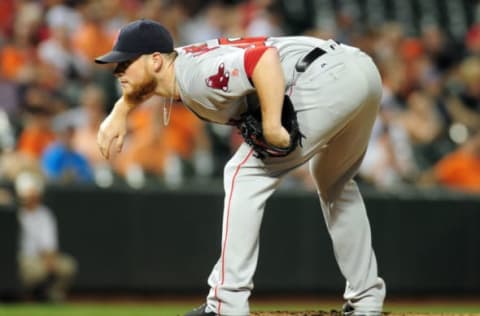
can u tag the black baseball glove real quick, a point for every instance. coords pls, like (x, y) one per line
(250, 126)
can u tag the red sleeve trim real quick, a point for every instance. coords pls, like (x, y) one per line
(252, 55)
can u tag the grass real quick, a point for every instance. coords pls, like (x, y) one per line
(173, 309)
(92, 310)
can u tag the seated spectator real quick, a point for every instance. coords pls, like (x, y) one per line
(420, 119)
(440, 49)
(388, 162)
(10, 100)
(460, 170)
(64, 13)
(57, 51)
(61, 163)
(423, 125)
(18, 55)
(263, 18)
(472, 40)
(144, 146)
(464, 106)
(186, 137)
(7, 139)
(37, 133)
(151, 145)
(12, 163)
(43, 270)
(90, 114)
(7, 14)
(92, 38)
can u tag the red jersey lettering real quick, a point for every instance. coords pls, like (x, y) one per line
(198, 49)
(243, 42)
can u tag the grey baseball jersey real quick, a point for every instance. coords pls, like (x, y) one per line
(336, 97)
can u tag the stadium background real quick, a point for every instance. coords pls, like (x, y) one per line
(148, 222)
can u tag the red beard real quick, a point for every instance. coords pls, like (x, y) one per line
(141, 92)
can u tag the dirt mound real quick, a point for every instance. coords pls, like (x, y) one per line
(337, 313)
(302, 313)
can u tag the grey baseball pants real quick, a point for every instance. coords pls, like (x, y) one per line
(337, 100)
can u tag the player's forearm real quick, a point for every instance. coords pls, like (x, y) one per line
(270, 85)
(123, 107)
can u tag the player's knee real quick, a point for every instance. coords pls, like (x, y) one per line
(229, 170)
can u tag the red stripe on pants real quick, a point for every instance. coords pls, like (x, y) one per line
(222, 279)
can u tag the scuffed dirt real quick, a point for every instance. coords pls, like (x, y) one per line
(301, 313)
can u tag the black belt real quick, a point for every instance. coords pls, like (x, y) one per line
(303, 63)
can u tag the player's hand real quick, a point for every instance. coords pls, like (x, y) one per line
(112, 132)
(276, 136)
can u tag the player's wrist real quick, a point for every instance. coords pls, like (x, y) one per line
(278, 137)
(122, 107)
(271, 126)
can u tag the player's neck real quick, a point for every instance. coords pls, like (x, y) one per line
(167, 84)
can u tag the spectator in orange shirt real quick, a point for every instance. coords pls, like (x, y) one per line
(92, 38)
(37, 132)
(150, 143)
(144, 146)
(460, 169)
(18, 55)
(184, 134)
(187, 139)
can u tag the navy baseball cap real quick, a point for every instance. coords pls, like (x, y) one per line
(138, 38)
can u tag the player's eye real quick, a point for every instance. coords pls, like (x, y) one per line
(122, 67)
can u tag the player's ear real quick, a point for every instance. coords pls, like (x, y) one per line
(157, 61)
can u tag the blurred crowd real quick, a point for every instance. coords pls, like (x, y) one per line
(53, 97)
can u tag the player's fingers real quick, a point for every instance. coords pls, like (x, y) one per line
(100, 142)
(119, 143)
(108, 145)
(104, 142)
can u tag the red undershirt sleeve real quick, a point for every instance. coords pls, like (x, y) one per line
(252, 55)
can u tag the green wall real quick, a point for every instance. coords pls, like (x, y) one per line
(161, 240)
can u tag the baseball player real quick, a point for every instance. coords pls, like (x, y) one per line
(330, 93)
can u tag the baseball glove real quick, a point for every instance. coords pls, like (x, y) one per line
(250, 126)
